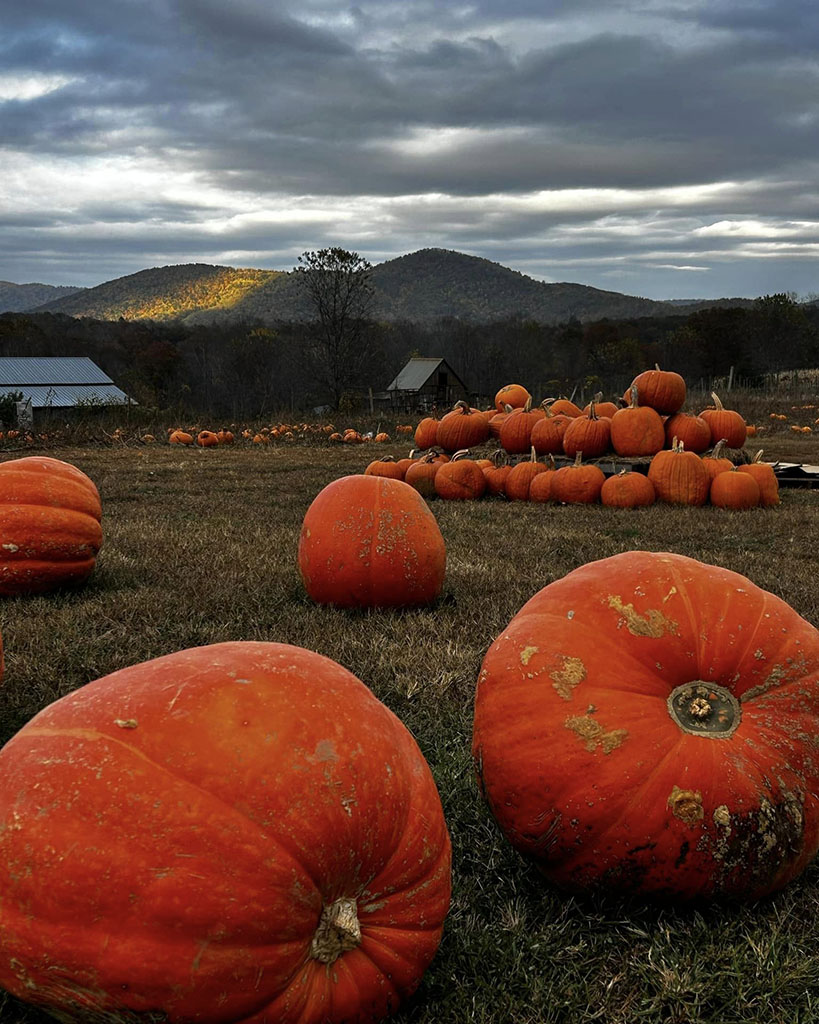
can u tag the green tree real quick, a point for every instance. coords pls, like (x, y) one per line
(337, 283)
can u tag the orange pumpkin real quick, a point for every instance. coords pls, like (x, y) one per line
(734, 490)
(386, 467)
(368, 541)
(627, 489)
(514, 395)
(637, 430)
(679, 477)
(496, 474)
(460, 479)
(421, 475)
(578, 483)
(692, 431)
(426, 433)
(461, 428)
(647, 723)
(765, 477)
(548, 433)
(725, 424)
(590, 434)
(242, 826)
(520, 478)
(516, 430)
(50, 514)
(207, 439)
(662, 390)
(716, 462)
(180, 437)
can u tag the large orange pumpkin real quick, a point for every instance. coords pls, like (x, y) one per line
(240, 832)
(649, 724)
(462, 428)
(50, 529)
(368, 541)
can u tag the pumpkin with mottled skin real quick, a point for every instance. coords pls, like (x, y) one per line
(371, 542)
(650, 724)
(50, 532)
(240, 832)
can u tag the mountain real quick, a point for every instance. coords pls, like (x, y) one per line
(423, 286)
(162, 293)
(17, 298)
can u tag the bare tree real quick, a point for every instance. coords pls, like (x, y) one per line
(338, 286)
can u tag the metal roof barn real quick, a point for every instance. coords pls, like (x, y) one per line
(425, 382)
(59, 382)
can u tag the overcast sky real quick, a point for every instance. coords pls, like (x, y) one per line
(665, 148)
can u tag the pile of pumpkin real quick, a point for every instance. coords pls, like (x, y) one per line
(650, 426)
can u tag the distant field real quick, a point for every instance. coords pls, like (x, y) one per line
(200, 547)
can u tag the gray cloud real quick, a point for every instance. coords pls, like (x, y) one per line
(187, 130)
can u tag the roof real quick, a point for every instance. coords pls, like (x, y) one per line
(44, 370)
(58, 381)
(415, 374)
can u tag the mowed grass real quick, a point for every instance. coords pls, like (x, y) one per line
(200, 547)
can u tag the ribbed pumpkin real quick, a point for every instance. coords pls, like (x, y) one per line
(240, 832)
(648, 724)
(765, 477)
(540, 489)
(516, 430)
(716, 463)
(514, 395)
(663, 390)
(207, 439)
(520, 479)
(497, 419)
(578, 483)
(725, 423)
(627, 489)
(565, 406)
(460, 479)
(368, 541)
(461, 428)
(637, 430)
(734, 490)
(590, 434)
(607, 409)
(496, 474)
(50, 531)
(547, 434)
(421, 475)
(692, 431)
(387, 467)
(426, 433)
(679, 477)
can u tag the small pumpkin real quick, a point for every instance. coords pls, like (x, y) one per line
(734, 490)
(421, 475)
(207, 439)
(679, 477)
(717, 462)
(548, 433)
(725, 423)
(368, 541)
(386, 467)
(242, 826)
(50, 514)
(225, 436)
(497, 473)
(607, 409)
(520, 479)
(637, 430)
(540, 489)
(590, 434)
(647, 723)
(461, 428)
(578, 483)
(460, 479)
(763, 473)
(627, 489)
(692, 431)
(426, 433)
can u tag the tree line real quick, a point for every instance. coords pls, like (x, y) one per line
(248, 370)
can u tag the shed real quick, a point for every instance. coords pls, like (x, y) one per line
(425, 382)
(59, 382)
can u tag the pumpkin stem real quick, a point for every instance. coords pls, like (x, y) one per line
(705, 709)
(462, 405)
(634, 397)
(717, 402)
(338, 931)
(463, 453)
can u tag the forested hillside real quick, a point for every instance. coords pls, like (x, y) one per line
(246, 369)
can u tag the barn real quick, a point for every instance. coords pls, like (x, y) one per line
(59, 382)
(424, 383)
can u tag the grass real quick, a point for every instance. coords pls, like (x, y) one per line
(200, 547)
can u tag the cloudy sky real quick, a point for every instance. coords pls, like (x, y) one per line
(665, 148)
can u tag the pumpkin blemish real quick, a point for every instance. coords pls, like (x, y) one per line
(594, 735)
(526, 654)
(686, 804)
(565, 679)
(653, 624)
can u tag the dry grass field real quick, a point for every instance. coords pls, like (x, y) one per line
(200, 547)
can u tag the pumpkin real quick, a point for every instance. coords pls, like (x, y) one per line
(765, 477)
(589, 434)
(461, 428)
(638, 429)
(577, 483)
(547, 434)
(180, 437)
(519, 480)
(368, 541)
(692, 431)
(382, 437)
(662, 390)
(496, 474)
(460, 479)
(627, 489)
(565, 406)
(725, 424)
(734, 490)
(607, 409)
(207, 439)
(387, 467)
(226, 436)
(716, 462)
(235, 832)
(540, 489)
(679, 477)
(648, 724)
(50, 514)
(497, 420)
(514, 395)
(516, 430)
(421, 475)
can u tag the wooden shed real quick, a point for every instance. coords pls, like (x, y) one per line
(424, 383)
